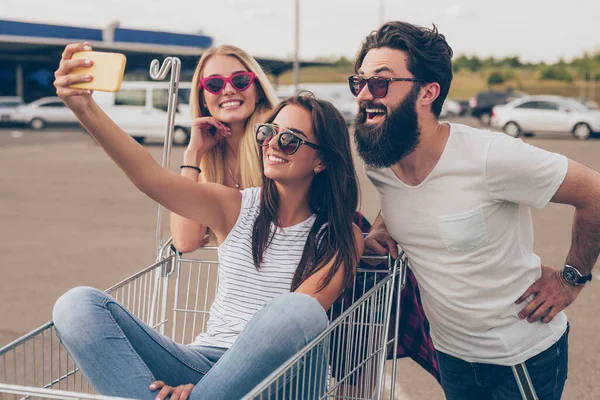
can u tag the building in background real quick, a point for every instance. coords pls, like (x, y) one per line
(29, 53)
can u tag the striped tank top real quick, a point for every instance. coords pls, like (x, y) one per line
(242, 290)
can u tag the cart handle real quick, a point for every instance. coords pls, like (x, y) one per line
(159, 72)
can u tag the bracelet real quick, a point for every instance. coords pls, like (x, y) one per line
(175, 250)
(192, 167)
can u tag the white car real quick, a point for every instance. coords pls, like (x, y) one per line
(450, 108)
(8, 106)
(140, 109)
(42, 112)
(545, 113)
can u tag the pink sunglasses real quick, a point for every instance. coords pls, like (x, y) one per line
(216, 83)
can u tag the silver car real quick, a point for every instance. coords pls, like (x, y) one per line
(43, 112)
(8, 106)
(548, 114)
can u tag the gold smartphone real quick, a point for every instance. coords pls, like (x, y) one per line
(107, 70)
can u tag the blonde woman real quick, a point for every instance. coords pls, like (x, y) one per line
(231, 94)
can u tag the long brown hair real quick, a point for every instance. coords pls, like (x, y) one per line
(333, 197)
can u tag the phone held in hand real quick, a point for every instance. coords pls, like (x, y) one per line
(107, 70)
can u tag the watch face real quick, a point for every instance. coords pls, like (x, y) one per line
(570, 275)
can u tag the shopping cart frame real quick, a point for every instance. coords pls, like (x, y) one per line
(166, 296)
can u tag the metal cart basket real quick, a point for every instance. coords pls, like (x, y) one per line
(174, 296)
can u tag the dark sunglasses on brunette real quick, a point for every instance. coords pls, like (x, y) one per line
(288, 141)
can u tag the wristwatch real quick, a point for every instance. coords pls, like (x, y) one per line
(572, 276)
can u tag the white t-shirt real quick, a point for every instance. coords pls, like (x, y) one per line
(468, 234)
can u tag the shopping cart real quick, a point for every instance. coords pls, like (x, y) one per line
(174, 296)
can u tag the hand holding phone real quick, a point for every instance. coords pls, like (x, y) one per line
(107, 70)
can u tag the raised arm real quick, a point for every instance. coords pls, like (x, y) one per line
(332, 291)
(211, 204)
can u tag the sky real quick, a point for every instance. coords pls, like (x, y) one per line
(535, 30)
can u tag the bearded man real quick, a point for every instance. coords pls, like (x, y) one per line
(458, 201)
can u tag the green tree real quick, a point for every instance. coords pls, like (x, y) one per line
(343, 62)
(472, 63)
(557, 72)
(512, 62)
(475, 64)
(459, 63)
(495, 78)
(490, 62)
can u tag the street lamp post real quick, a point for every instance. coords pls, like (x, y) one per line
(296, 45)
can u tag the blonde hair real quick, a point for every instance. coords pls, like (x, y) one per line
(249, 159)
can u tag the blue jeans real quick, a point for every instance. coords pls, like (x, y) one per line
(121, 356)
(462, 380)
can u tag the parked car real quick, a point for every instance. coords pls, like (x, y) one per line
(43, 112)
(482, 104)
(450, 108)
(140, 108)
(464, 106)
(8, 106)
(543, 113)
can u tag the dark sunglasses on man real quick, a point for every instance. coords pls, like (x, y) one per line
(288, 141)
(216, 83)
(377, 85)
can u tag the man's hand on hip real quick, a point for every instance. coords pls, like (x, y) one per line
(552, 295)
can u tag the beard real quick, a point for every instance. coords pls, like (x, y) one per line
(383, 145)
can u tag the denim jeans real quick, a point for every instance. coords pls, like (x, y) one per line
(121, 356)
(462, 380)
